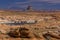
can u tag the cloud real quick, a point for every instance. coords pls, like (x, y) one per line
(18, 5)
(48, 1)
(21, 2)
(36, 4)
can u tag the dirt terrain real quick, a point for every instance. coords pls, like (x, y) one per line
(46, 27)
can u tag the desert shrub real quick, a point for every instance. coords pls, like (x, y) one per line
(19, 32)
(24, 32)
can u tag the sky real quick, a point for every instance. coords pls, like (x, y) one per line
(36, 4)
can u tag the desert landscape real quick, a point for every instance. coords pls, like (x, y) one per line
(29, 25)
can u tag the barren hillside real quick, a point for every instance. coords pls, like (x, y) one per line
(39, 23)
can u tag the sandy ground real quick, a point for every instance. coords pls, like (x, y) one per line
(47, 21)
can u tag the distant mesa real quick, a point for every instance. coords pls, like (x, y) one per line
(2, 11)
(29, 8)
